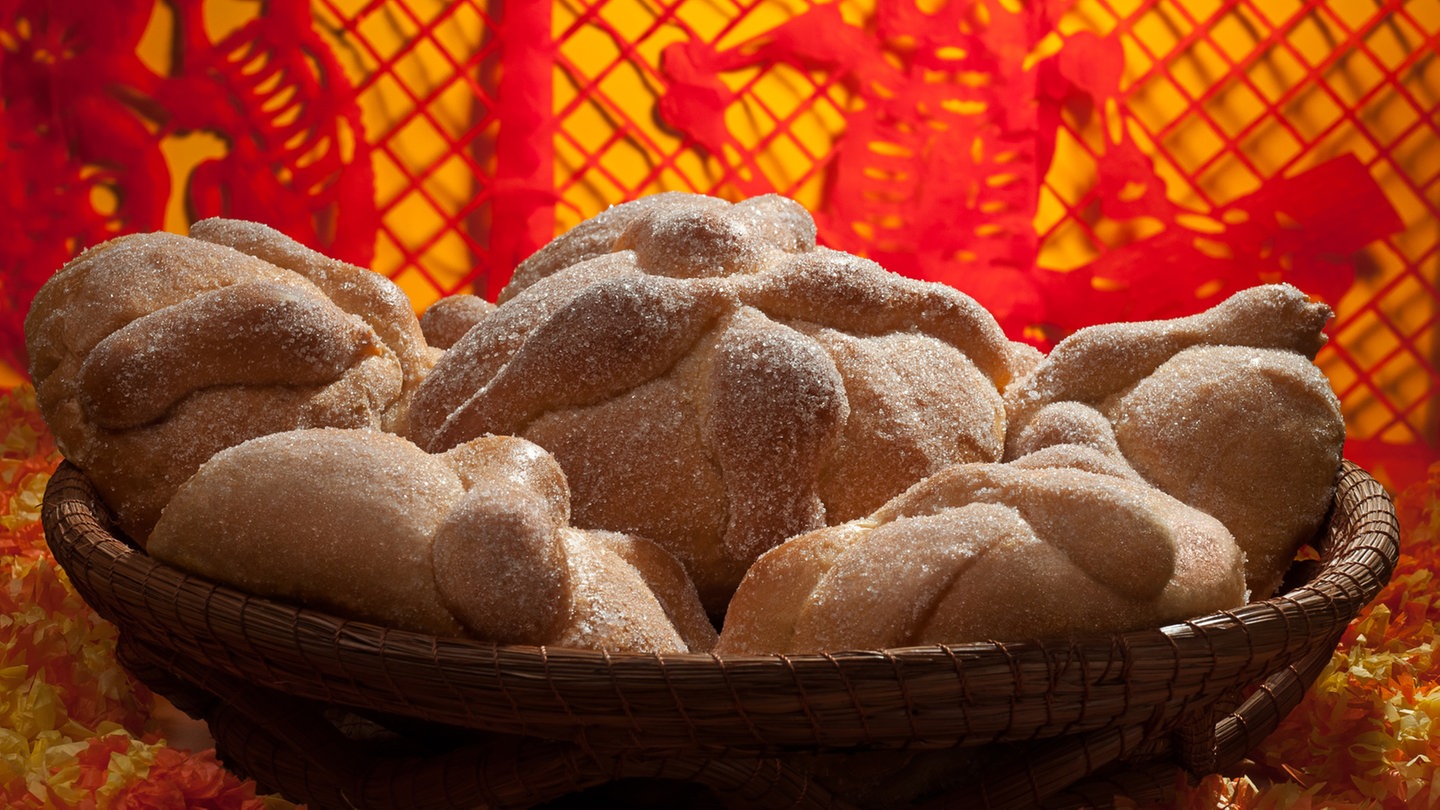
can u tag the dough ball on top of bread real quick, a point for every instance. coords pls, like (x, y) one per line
(472, 542)
(710, 378)
(449, 318)
(150, 352)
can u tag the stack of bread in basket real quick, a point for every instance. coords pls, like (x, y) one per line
(684, 427)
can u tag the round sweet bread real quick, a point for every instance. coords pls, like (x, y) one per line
(472, 542)
(151, 352)
(711, 379)
(1224, 410)
(1024, 550)
(1251, 436)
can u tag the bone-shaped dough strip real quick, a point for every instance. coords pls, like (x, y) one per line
(775, 411)
(1106, 528)
(859, 296)
(1099, 361)
(592, 237)
(614, 335)
(371, 296)
(254, 333)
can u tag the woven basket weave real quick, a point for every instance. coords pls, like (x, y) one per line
(342, 713)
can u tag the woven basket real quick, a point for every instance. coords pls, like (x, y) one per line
(342, 713)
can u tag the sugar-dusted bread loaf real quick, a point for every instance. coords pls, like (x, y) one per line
(1224, 410)
(151, 352)
(1062, 543)
(709, 378)
(472, 542)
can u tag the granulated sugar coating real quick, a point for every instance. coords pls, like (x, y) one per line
(472, 542)
(596, 236)
(151, 352)
(711, 379)
(1223, 410)
(448, 319)
(1098, 362)
(1251, 436)
(367, 295)
(517, 463)
(678, 397)
(339, 520)
(499, 562)
(252, 333)
(989, 551)
(618, 605)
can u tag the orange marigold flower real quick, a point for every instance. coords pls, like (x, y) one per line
(1367, 734)
(69, 714)
(183, 780)
(27, 457)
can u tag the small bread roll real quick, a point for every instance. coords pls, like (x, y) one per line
(339, 520)
(472, 542)
(989, 551)
(1223, 410)
(1251, 436)
(151, 352)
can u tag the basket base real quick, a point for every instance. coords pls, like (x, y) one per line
(342, 714)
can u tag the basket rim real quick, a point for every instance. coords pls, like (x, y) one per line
(968, 693)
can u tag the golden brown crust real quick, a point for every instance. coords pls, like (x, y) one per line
(589, 239)
(152, 352)
(772, 418)
(634, 473)
(484, 351)
(473, 542)
(641, 325)
(448, 319)
(775, 591)
(703, 373)
(1100, 361)
(666, 579)
(356, 290)
(1223, 410)
(989, 551)
(681, 356)
(514, 461)
(900, 376)
(1251, 436)
(857, 295)
(500, 564)
(613, 608)
(1104, 525)
(252, 333)
(113, 283)
(287, 515)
